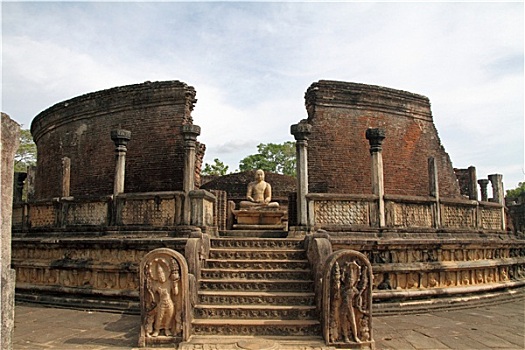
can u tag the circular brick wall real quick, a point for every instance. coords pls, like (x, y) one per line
(80, 128)
(338, 152)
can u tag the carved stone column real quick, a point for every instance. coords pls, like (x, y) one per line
(9, 140)
(472, 186)
(121, 138)
(433, 184)
(190, 133)
(66, 176)
(497, 188)
(301, 132)
(375, 137)
(483, 183)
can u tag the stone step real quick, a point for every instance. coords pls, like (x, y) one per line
(256, 285)
(257, 274)
(240, 327)
(266, 231)
(257, 254)
(256, 298)
(267, 312)
(257, 243)
(250, 264)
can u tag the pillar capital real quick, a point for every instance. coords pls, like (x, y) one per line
(375, 137)
(120, 137)
(301, 131)
(483, 183)
(190, 132)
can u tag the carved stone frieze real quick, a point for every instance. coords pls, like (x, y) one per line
(164, 298)
(266, 312)
(412, 215)
(250, 330)
(260, 264)
(491, 218)
(258, 244)
(154, 212)
(347, 300)
(43, 215)
(298, 299)
(454, 216)
(90, 213)
(341, 213)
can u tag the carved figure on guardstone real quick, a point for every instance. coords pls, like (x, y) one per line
(347, 300)
(164, 298)
(162, 286)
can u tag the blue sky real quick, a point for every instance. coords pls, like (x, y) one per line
(251, 62)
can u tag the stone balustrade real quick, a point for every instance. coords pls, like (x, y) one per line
(342, 212)
(127, 210)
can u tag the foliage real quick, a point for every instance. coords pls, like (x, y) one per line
(516, 192)
(272, 157)
(26, 154)
(218, 168)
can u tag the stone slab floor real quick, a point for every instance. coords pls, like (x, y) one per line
(499, 326)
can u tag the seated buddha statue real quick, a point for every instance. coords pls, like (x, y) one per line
(259, 194)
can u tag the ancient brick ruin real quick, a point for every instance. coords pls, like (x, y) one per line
(118, 176)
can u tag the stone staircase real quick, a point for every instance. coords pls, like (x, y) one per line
(256, 287)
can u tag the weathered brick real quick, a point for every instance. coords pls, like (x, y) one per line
(80, 128)
(338, 152)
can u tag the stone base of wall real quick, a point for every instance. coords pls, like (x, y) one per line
(413, 271)
(86, 271)
(417, 271)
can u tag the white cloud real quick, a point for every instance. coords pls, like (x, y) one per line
(251, 63)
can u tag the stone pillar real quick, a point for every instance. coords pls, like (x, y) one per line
(301, 132)
(30, 182)
(121, 138)
(498, 195)
(497, 188)
(472, 184)
(9, 141)
(483, 183)
(375, 137)
(433, 184)
(190, 133)
(18, 191)
(66, 176)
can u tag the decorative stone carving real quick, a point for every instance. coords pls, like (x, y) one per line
(164, 298)
(341, 212)
(347, 300)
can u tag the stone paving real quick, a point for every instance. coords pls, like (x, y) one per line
(499, 326)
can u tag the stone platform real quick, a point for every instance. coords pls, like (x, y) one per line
(498, 326)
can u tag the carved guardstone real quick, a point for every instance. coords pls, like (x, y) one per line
(347, 301)
(164, 299)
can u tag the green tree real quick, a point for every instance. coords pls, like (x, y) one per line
(272, 157)
(26, 153)
(218, 168)
(516, 192)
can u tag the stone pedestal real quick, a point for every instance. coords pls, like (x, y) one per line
(9, 142)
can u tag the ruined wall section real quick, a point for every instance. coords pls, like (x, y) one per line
(80, 128)
(338, 152)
